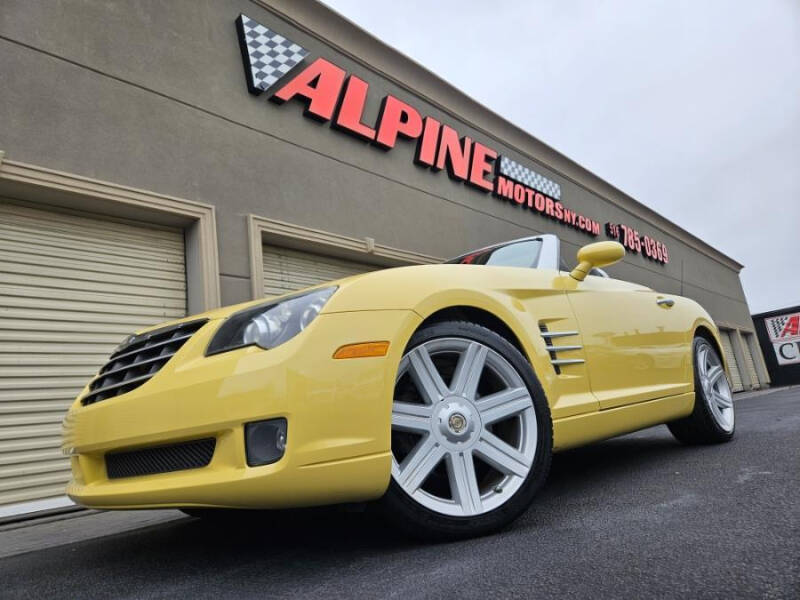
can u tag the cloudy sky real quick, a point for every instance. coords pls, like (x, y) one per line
(693, 108)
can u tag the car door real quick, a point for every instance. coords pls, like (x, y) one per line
(635, 340)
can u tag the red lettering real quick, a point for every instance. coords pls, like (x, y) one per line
(480, 165)
(548, 206)
(580, 222)
(530, 193)
(454, 154)
(397, 119)
(792, 326)
(595, 228)
(559, 211)
(505, 187)
(426, 147)
(318, 85)
(665, 254)
(568, 215)
(539, 201)
(519, 193)
(351, 109)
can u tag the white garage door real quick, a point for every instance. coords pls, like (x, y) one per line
(730, 358)
(288, 270)
(752, 376)
(71, 288)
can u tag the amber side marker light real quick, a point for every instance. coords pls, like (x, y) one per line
(362, 350)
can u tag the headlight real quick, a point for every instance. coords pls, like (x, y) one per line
(269, 325)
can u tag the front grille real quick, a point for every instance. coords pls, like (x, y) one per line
(136, 361)
(160, 459)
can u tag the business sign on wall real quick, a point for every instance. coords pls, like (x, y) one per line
(331, 95)
(784, 333)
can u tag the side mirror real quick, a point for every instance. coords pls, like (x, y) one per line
(599, 254)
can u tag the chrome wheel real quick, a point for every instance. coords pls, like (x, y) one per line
(715, 388)
(464, 430)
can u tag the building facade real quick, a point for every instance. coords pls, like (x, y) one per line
(159, 159)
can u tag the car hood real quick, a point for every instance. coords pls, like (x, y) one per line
(412, 287)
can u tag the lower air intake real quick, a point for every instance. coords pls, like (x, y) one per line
(160, 459)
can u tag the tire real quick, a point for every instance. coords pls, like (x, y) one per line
(484, 439)
(712, 420)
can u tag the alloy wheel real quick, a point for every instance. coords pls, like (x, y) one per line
(714, 383)
(464, 430)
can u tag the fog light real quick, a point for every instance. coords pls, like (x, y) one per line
(265, 441)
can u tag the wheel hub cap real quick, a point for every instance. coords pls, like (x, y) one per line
(457, 421)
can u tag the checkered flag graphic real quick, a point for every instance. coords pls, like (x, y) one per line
(776, 325)
(517, 172)
(267, 55)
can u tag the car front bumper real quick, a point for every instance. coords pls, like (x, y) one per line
(338, 413)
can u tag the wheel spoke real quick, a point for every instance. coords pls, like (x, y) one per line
(501, 455)
(714, 374)
(463, 483)
(702, 356)
(503, 405)
(426, 376)
(411, 417)
(419, 464)
(468, 370)
(722, 400)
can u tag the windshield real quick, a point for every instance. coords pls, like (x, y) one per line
(516, 254)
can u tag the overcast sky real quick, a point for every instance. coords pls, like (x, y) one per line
(691, 107)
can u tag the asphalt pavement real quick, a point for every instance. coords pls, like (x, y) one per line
(639, 516)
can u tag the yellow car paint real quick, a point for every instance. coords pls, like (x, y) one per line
(339, 411)
(599, 254)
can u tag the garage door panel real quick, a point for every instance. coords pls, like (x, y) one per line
(31, 418)
(730, 359)
(67, 264)
(18, 483)
(80, 278)
(62, 327)
(26, 469)
(26, 218)
(50, 361)
(287, 270)
(39, 394)
(51, 431)
(104, 253)
(57, 337)
(29, 456)
(43, 406)
(75, 348)
(82, 302)
(24, 444)
(71, 288)
(750, 365)
(41, 383)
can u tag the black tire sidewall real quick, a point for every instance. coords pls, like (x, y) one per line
(405, 511)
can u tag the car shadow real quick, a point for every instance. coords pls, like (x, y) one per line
(283, 544)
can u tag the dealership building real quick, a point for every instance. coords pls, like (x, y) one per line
(157, 164)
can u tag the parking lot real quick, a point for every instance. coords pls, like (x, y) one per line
(637, 516)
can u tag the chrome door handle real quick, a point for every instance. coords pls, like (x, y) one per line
(668, 302)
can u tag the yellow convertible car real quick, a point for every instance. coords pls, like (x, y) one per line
(441, 390)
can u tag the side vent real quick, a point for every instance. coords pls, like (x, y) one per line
(553, 350)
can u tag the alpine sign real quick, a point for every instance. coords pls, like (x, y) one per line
(784, 333)
(331, 95)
